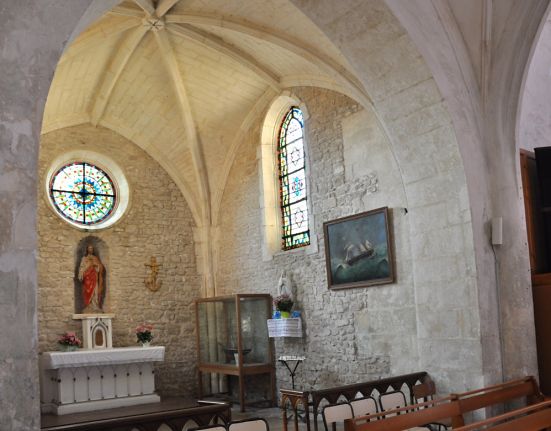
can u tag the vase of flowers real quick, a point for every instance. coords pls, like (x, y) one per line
(284, 304)
(69, 342)
(144, 334)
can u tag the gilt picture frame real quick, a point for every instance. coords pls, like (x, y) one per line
(359, 250)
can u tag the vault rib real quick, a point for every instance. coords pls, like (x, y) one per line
(261, 104)
(117, 63)
(193, 140)
(274, 37)
(164, 6)
(217, 44)
(81, 46)
(127, 11)
(146, 5)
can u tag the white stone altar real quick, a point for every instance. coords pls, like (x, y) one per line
(86, 380)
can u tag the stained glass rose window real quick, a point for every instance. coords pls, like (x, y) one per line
(83, 193)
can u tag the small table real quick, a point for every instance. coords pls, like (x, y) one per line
(285, 361)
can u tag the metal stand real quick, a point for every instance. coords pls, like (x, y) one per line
(285, 361)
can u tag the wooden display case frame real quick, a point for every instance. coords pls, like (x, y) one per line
(241, 369)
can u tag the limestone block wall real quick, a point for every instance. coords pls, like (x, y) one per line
(350, 335)
(157, 223)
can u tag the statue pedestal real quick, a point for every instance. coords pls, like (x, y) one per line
(97, 330)
(87, 380)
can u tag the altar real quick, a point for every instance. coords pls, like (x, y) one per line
(86, 380)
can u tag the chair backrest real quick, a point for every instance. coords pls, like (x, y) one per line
(409, 417)
(392, 400)
(253, 424)
(364, 406)
(334, 413)
(210, 428)
(424, 391)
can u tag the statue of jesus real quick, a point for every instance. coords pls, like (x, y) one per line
(91, 273)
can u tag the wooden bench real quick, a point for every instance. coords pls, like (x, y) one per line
(313, 399)
(451, 408)
(499, 394)
(174, 413)
(532, 418)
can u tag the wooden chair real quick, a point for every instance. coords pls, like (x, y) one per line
(451, 408)
(392, 400)
(215, 427)
(364, 406)
(314, 399)
(253, 424)
(426, 391)
(410, 417)
(334, 413)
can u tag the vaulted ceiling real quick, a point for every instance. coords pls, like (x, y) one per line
(184, 79)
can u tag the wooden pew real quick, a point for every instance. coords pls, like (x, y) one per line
(500, 394)
(453, 407)
(532, 418)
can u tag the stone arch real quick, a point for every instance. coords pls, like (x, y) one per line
(424, 141)
(533, 121)
(484, 116)
(36, 56)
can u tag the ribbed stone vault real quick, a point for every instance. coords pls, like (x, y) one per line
(181, 79)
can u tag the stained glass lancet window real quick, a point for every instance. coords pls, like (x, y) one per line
(292, 181)
(83, 193)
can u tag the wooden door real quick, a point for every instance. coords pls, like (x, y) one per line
(541, 277)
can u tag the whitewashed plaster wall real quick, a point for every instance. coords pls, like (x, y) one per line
(423, 138)
(32, 39)
(484, 116)
(158, 222)
(510, 52)
(534, 127)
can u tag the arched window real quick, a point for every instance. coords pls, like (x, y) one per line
(292, 181)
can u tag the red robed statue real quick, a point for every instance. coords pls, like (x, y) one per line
(91, 273)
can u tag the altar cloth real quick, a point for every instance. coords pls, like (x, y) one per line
(88, 358)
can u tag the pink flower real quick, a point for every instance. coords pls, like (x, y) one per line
(69, 339)
(144, 328)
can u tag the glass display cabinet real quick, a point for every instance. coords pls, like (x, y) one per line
(232, 339)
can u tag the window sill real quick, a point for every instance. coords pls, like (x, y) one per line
(306, 250)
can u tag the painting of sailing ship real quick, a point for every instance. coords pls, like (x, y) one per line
(358, 250)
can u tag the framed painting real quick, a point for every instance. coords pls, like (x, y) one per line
(358, 250)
